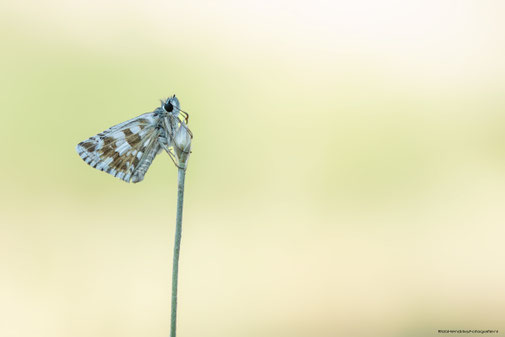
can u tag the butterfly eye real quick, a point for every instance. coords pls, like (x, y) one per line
(168, 107)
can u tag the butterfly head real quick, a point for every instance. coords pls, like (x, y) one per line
(171, 105)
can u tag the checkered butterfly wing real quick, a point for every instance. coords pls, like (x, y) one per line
(125, 150)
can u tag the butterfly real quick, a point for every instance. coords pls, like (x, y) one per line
(126, 150)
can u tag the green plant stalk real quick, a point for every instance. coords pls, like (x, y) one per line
(177, 248)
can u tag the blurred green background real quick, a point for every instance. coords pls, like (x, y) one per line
(347, 175)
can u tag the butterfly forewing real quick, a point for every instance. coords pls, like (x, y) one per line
(124, 148)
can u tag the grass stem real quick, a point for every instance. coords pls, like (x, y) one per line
(177, 248)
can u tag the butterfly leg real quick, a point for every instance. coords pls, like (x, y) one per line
(185, 116)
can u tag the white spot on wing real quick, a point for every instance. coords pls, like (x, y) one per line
(123, 148)
(104, 164)
(99, 145)
(118, 135)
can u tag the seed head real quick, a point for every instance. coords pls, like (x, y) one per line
(182, 140)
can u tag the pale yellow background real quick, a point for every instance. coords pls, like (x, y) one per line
(347, 175)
